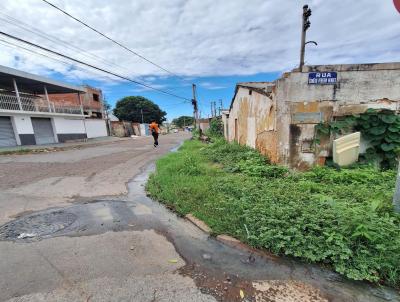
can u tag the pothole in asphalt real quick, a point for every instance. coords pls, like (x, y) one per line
(37, 225)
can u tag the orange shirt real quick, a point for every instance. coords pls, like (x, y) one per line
(154, 126)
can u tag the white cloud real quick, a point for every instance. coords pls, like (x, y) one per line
(203, 38)
(211, 86)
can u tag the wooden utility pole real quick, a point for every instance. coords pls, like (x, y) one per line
(195, 107)
(305, 26)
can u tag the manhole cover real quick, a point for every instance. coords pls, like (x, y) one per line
(36, 225)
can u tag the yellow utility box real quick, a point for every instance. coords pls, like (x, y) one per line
(346, 149)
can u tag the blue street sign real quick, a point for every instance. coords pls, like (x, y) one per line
(322, 78)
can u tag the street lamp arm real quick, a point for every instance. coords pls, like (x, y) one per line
(313, 42)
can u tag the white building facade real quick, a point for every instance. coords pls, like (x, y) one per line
(28, 117)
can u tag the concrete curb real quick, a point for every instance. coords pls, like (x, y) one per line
(200, 224)
(231, 241)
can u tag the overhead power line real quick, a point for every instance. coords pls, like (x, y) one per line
(93, 66)
(24, 26)
(110, 39)
(31, 29)
(68, 64)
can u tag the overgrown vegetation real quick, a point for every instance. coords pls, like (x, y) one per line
(216, 128)
(380, 128)
(343, 218)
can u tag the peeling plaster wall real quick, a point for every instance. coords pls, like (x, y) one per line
(280, 123)
(255, 116)
(359, 87)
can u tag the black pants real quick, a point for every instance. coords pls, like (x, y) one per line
(155, 136)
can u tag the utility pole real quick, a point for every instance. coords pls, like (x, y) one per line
(141, 112)
(212, 110)
(220, 107)
(195, 108)
(305, 26)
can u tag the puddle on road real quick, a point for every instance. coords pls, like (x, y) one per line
(217, 269)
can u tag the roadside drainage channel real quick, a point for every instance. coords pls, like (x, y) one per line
(208, 256)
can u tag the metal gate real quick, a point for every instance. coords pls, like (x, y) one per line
(7, 136)
(43, 131)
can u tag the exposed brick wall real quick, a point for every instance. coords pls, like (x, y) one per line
(71, 99)
(91, 101)
(88, 99)
(65, 99)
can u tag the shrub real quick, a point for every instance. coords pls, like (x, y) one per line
(216, 128)
(342, 218)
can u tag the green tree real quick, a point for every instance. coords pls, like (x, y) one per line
(216, 128)
(183, 121)
(130, 108)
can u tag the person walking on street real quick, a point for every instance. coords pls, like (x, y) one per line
(153, 127)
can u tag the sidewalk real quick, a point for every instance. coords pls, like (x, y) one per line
(88, 142)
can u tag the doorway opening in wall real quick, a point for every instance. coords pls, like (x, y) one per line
(236, 130)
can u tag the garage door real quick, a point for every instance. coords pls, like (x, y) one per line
(7, 137)
(43, 131)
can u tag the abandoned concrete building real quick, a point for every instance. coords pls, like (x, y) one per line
(279, 118)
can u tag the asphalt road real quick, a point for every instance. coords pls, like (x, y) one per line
(76, 225)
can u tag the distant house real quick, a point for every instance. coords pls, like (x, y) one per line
(112, 118)
(278, 118)
(204, 123)
(38, 110)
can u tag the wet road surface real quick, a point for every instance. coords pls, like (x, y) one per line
(130, 248)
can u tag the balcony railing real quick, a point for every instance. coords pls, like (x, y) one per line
(34, 104)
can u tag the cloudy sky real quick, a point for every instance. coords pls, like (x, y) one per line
(213, 43)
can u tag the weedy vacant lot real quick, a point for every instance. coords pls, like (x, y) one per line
(340, 218)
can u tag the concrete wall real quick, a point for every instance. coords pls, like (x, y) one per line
(204, 124)
(225, 123)
(23, 124)
(359, 87)
(252, 121)
(69, 129)
(279, 118)
(118, 129)
(24, 130)
(123, 128)
(96, 128)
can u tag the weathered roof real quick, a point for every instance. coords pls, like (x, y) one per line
(264, 88)
(31, 83)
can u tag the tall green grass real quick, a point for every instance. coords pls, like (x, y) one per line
(340, 218)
